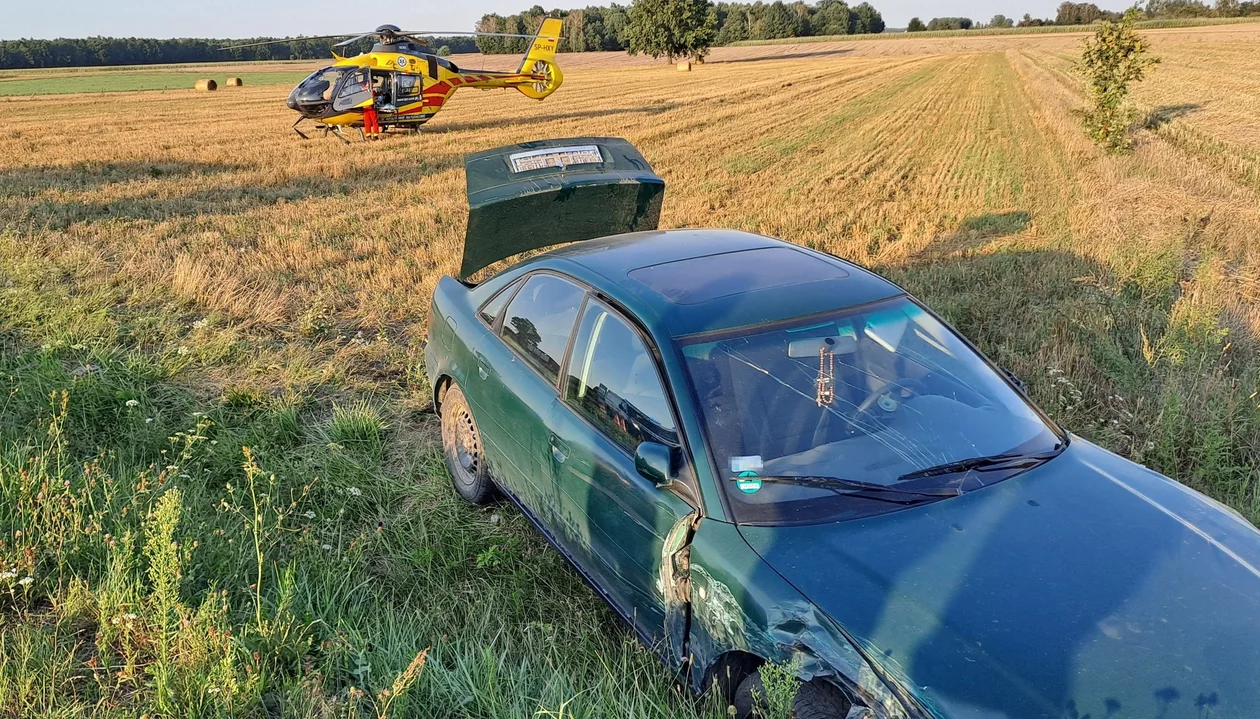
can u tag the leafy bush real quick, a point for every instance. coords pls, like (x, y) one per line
(1116, 57)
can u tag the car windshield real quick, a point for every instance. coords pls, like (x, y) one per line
(872, 396)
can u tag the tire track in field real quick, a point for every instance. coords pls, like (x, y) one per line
(705, 187)
(893, 171)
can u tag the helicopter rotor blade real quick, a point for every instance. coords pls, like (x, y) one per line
(356, 37)
(467, 33)
(288, 39)
(353, 40)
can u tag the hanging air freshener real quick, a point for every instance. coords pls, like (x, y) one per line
(825, 383)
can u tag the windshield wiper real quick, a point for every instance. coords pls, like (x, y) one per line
(1009, 460)
(867, 490)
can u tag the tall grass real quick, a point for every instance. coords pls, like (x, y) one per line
(211, 563)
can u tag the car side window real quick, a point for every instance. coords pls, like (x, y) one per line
(613, 382)
(489, 312)
(540, 319)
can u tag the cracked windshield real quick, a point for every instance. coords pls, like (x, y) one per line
(855, 414)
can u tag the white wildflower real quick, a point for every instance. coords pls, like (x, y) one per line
(133, 403)
(148, 420)
(8, 575)
(181, 351)
(26, 581)
(200, 323)
(308, 514)
(327, 547)
(354, 491)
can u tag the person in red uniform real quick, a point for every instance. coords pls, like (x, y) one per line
(371, 126)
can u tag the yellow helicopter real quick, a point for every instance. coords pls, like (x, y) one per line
(402, 83)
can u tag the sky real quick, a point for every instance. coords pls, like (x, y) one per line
(253, 18)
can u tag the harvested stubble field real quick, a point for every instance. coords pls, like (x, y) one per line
(181, 277)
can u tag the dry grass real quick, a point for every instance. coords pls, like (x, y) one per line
(208, 200)
(199, 230)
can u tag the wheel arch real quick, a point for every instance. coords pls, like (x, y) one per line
(441, 386)
(729, 669)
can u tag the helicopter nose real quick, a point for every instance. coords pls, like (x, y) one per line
(292, 103)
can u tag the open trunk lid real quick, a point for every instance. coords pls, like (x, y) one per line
(550, 192)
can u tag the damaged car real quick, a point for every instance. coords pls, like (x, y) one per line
(760, 453)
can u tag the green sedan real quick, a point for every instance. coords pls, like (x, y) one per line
(756, 452)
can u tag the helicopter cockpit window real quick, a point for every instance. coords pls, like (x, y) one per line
(354, 91)
(319, 87)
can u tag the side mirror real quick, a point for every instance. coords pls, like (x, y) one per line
(655, 461)
(1019, 383)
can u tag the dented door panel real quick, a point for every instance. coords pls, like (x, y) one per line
(613, 521)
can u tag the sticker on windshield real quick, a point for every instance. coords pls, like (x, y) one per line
(748, 482)
(750, 463)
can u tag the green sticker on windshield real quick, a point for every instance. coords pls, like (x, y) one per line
(748, 482)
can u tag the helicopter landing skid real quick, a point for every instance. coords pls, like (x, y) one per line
(299, 132)
(337, 130)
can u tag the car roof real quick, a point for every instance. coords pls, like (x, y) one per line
(702, 280)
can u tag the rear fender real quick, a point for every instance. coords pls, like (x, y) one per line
(453, 332)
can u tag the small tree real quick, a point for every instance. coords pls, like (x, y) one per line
(444, 51)
(1116, 56)
(1001, 21)
(673, 28)
(916, 25)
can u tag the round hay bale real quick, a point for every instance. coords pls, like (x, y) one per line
(206, 86)
(234, 82)
(684, 66)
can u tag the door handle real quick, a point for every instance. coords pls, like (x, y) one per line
(559, 450)
(482, 369)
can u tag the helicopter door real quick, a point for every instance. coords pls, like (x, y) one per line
(355, 89)
(386, 92)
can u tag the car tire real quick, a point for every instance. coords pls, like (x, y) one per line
(814, 700)
(463, 450)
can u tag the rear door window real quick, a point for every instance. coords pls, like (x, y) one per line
(489, 312)
(613, 382)
(540, 319)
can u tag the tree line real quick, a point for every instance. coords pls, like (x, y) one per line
(657, 27)
(1086, 13)
(614, 27)
(98, 51)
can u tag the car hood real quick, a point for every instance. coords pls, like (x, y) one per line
(1087, 587)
